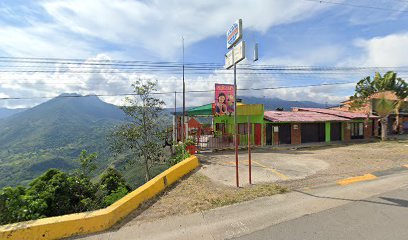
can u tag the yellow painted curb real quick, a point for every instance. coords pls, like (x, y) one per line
(95, 221)
(351, 180)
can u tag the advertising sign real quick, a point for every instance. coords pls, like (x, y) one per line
(239, 55)
(224, 99)
(234, 34)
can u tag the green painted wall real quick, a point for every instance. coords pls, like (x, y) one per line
(243, 138)
(328, 131)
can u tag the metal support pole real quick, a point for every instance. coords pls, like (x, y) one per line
(176, 120)
(249, 152)
(184, 96)
(235, 120)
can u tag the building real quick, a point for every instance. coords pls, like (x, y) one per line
(370, 108)
(307, 125)
(299, 126)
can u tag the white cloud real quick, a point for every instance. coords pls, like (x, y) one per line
(390, 50)
(41, 40)
(157, 26)
(76, 28)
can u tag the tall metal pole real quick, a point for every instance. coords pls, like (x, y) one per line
(184, 95)
(175, 116)
(235, 119)
(249, 151)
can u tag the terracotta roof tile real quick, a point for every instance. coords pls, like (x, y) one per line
(280, 116)
(339, 113)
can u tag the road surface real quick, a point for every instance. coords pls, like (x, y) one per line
(376, 209)
(381, 217)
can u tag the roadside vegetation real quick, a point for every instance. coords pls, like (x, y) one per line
(143, 132)
(56, 193)
(135, 143)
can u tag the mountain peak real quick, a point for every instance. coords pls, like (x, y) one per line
(69, 95)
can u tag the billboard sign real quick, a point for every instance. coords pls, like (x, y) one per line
(224, 99)
(234, 34)
(239, 55)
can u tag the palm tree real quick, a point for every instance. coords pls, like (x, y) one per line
(384, 108)
(366, 87)
(401, 89)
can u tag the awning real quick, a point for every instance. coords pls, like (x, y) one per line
(204, 110)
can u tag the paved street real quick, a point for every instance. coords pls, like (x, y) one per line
(381, 217)
(374, 209)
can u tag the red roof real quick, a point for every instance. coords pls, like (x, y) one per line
(344, 114)
(280, 116)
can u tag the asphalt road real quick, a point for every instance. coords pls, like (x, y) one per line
(381, 217)
(375, 209)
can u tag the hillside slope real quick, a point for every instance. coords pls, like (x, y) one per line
(7, 112)
(53, 134)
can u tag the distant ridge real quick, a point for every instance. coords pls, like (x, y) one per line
(274, 103)
(52, 134)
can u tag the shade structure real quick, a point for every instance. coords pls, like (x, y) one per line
(204, 110)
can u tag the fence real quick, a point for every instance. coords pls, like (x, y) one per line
(224, 141)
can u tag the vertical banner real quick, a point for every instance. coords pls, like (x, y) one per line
(224, 99)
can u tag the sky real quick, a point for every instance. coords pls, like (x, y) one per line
(332, 33)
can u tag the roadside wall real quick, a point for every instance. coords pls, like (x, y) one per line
(95, 221)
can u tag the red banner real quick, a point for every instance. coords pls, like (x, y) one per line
(224, 99)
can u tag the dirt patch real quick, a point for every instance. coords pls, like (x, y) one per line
(198, 193)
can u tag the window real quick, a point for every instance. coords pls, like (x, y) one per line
(357, 130)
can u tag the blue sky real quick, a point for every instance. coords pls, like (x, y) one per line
(289, 33)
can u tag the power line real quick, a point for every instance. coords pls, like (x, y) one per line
(164, 93)
(94, 61)
(359, 6)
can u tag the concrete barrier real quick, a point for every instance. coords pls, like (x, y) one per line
(95, 221)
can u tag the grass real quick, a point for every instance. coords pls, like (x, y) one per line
(198, 193)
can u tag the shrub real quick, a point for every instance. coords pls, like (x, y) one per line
(115, 196)
(180, 154)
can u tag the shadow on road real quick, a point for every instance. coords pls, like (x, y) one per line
(395, 202)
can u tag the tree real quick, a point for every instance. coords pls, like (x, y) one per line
(87, 164)
(16, 206)
(384, 108)
(63, 193)
(366, 87)
(111, 181)
(143, 132)
(112, 186)
(57, 193)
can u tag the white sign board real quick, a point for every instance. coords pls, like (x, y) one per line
(234, 34)
(239, 55)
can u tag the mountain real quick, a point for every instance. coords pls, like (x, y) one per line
(6, 112)
(52, 134)
(273, 103)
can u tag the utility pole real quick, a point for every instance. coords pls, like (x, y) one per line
(175, 121)
(184, 95)
(234, 35)
(235, 119)
(249, 127)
